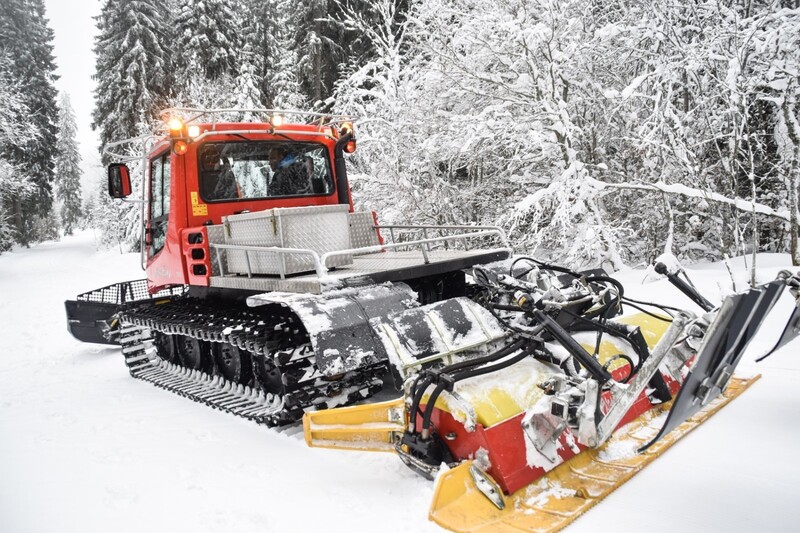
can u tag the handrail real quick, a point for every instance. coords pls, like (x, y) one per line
(321, 119)
(324, 119)
(272, 131)
(418, 242)
(500, 231)
(125, 158)
(318, 265)
(320, 262)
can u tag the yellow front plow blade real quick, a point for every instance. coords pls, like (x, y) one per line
(554, 501)
(370, 427)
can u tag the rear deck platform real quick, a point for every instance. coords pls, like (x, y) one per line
(378, 267)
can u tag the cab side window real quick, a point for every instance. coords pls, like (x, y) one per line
(159, 202)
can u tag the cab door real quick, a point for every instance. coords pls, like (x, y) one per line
(165, 262)
(159, 202)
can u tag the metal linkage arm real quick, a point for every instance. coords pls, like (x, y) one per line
(684, 287)
(625, 396)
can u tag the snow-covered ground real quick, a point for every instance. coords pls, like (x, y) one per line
(85, 448)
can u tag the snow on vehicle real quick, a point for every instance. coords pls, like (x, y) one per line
(269, 297)
(571, 400)
(261, 278)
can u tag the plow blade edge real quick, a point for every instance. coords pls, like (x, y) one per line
(737, 322)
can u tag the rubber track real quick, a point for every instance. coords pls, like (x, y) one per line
(277, 339)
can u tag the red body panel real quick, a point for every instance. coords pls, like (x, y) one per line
(505, 441)
(173, 265)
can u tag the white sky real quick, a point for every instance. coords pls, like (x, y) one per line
(74, 28)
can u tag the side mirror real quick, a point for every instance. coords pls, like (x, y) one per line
(119, 181)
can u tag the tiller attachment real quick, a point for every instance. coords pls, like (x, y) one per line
(543, 400)
(568, 491)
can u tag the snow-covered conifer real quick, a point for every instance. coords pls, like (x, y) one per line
(207, 40)
(267, 53)
(26, 41)
(247, 91)
(319, 45)
(133, 85)
(68, 170)
(132, 67)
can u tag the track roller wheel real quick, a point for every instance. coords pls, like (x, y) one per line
(232, 363)
(268, 376)
(194, 354)
(165, 346)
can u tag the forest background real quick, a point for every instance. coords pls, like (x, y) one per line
(595, 133)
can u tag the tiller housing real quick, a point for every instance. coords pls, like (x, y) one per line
(525, 424)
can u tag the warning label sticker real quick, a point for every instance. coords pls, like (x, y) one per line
(198, 209)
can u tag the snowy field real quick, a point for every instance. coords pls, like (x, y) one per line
(85, 448)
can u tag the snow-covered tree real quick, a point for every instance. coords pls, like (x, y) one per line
(324, 47)
(772, 53)
(207, 42)
(475, 97)
(701, 117)
(593, 132)
(134, 83)
(247, 92)
(388, 172)
(268, 36)
(16, 131)
(26, 42)
(312, 46)
(68, 169)
(110, 218)
(132, 67)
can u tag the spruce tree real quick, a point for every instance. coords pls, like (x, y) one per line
(267, 52)
(259, 25)
(27, 40)
(133, 86)
(248, 93)
(16, 131)
(68, 170)
(132, 67)
(207, 42)
(325, 47)
(317, 46)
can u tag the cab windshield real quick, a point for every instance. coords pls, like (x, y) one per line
(257, 170)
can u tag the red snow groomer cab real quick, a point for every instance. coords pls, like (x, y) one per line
(203, 176)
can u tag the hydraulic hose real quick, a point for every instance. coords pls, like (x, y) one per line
(573, 347)
(607, 279)
(421, 385)
(494, 356)
(442, 385)
(546, 266)
(607, 308)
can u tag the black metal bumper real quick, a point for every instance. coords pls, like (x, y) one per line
(89, 321)
(90, 317)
